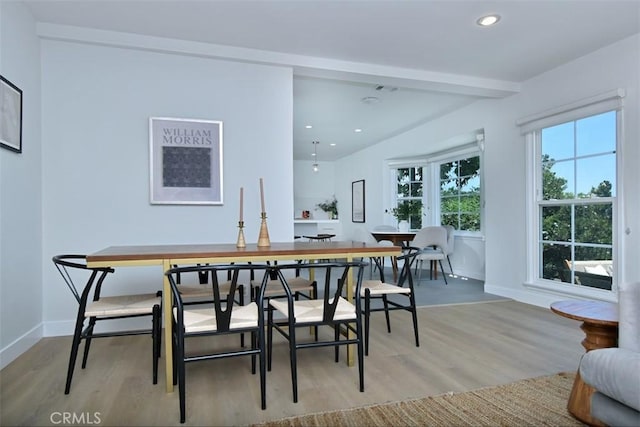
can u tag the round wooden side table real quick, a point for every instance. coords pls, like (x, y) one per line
(600, 325)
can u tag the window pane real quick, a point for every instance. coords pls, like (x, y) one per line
(450, 219)
(448, 170)
(558, 142)
(471, 184)
(402, 190)
(557, 180)
(449, 204)
(594, 223)
(470, 221)
(416, 174)
(593, 267)
(448, 187)
(469, 166)
(596, 176)
(554, 266)
(596, 134)
(416, 189)
(556, 223)
(470, 203)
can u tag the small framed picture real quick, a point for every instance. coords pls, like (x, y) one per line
(185, 161)
(10, 116)
(357, 201)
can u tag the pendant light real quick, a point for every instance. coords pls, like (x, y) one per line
(315, 155)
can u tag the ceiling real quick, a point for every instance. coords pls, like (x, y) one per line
(420, 59)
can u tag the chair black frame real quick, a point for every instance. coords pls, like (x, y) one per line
(408, 257)
(223, 308)
(203, 279)
(273, 276)
(96, 278)
(330, 300)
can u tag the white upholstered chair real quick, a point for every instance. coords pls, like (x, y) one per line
(432, 240)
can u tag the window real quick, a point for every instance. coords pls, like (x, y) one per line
(409, 193)
(460, 193)
(572, 192)
(577, 166)
(441, 189)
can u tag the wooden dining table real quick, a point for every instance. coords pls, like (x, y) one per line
(168, 255)
(398, 238)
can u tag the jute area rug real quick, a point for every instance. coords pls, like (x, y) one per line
(538, 401)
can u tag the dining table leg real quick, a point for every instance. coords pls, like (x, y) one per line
(351, 348)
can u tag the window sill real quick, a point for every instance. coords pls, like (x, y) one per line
(572, 291)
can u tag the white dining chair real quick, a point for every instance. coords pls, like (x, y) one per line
(433, 242)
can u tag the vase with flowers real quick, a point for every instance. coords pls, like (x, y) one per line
(403, 213)
(330, 207)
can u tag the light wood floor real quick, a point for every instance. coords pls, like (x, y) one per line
(462, 347)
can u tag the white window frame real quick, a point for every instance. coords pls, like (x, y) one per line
(430, 164)
(433, 205)
(531, 127)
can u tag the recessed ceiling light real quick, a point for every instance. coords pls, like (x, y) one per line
(333, 144)
(488, 20)
(308, 126)
(370, 100)
(357, 130)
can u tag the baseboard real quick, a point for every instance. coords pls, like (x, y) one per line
(524, 295)
(20, 345)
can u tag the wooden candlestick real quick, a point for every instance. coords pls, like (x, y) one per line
(263, 237)
(241, 242)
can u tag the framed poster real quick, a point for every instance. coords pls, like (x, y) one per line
(357, 201)
(10, 116)
(185, 161)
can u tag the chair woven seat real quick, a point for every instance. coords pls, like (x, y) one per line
(309, 311)
(377, 287)
(124, 305)
(204, 319)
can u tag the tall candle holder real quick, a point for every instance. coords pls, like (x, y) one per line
(241, 242)
(263, 237)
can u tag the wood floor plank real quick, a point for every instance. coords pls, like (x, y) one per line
(462, 347)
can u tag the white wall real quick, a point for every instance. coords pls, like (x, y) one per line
(311, 188)
(20, 192)
(617, 66)
(96, 104)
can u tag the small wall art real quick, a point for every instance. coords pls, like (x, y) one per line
(10, 116)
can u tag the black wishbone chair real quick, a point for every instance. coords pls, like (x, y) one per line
(222, 317)
(331, 309)
(199, 291)
(94, 307)
(382, 290)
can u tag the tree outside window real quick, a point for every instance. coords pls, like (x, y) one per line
(460, 193)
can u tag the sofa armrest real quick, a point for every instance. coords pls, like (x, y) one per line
(629, 308)
(614, 372)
